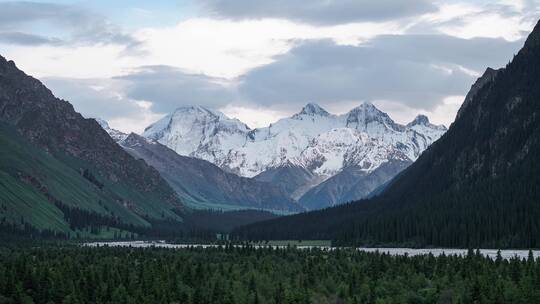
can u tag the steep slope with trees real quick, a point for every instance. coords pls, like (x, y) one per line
(479, 185)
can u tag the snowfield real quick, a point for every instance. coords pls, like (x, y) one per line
(314, 139)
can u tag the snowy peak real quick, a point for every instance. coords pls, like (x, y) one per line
(419, 120)
(104, 124)
(198, 111)
(133, 140)
(423, 121)
(198, 115)
(367, 116)
(116, 135)
(366, 112)
(312, 109)
(199, 132)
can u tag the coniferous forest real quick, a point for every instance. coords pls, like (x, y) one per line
(247, 275)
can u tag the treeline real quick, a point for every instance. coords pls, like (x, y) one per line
(88, 224)
(247, 275)
(92, 178)
(12, 232)
(78, 218)
(225, 221)
(494, 213)
(198, 225)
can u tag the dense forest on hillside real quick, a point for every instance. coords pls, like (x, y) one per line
(477, 186)
(248, 275)
(199, 226)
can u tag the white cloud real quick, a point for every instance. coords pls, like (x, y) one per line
(489, 25)
(224, 48)
(254, 117)
(105, 99)
(451, 11)
(97, 61)
(508, 19)
(217, 48)
(135, 124)
(444, 113)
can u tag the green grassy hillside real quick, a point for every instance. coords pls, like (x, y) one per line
(34, 186)
(52, 153)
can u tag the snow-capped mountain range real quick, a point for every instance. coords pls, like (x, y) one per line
(316, 158)
(318, 143)
(313, 139)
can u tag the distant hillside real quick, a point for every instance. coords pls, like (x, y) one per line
(64, 173)
(203, 185)
(479, 185)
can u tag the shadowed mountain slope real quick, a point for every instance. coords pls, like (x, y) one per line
(478, 185)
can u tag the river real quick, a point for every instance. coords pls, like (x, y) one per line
(492, 253)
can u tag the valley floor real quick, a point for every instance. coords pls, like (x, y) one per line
(63, 273)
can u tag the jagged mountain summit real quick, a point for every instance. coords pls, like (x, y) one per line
(199, 132)
(314, 143)
(313, 109)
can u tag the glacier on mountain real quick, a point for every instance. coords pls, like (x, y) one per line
(313, 139)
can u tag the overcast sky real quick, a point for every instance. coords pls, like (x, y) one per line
(131, 62)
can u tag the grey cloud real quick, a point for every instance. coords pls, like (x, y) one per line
(20, 12)
(101, 98)
(475, 54)
(417, 70)
(528, 13)
(322, 12)
(80, 25)
(168, 88)
(165, 87)
(531, 9)
(27, 39)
